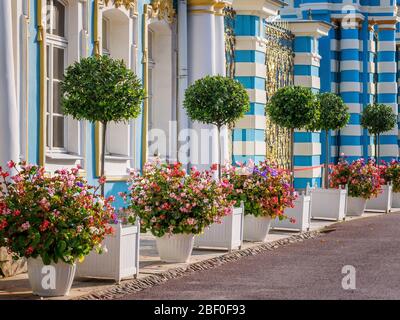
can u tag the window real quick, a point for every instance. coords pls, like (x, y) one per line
(105, 37)
(118, 41)
(56, 62)
(151, 73)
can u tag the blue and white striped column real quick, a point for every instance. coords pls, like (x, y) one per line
(307, 147)
(398, 74)
(351, 137)
(387, 85)
(369, 66)
(335, 85)
(249, 132)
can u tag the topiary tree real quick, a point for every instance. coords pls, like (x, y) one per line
(216, 100)
(293, 108)
(101, 89)
(378, 118)
(333, 115)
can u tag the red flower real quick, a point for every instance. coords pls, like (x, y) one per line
(3, 224)
(214, 167)
(102, 180)
(16, 213)
(11, 164)
(29, 251)
(45, 224)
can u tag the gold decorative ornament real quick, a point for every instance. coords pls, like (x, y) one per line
(230, 40)
(163, 10)
(128, 4)
(280, 73)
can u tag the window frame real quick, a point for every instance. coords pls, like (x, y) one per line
(55, 41)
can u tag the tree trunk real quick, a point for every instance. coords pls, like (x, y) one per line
(327, 158)
(103, 154)
(379, 148)
(376, 148)
(292, 156)
(219, 152)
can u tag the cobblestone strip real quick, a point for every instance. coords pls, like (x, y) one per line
(133, 286)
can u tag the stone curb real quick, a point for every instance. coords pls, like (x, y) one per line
(136, 285)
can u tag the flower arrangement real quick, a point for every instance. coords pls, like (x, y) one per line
(392, 174)
(168, 200)
(264, 188)
(57, 218)
(363, 178)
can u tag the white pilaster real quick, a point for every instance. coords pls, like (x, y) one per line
(9, 133)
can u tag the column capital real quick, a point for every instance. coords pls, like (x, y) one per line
(311, 28)
(260, 8)
(208, 6)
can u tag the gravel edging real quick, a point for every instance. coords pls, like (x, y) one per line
(136, 285)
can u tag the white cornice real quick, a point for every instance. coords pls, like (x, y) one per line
(309, 28)
(261, 8)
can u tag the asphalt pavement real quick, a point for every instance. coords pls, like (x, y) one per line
(357, 260)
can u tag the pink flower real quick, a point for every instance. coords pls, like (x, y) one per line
(11, 164)
(102, 180)
(44, 204)
(25, 226)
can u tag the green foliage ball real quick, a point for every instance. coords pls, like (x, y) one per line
(333, 112)
(293, 107)
(101, 89)
(378, 118)
(216, 100)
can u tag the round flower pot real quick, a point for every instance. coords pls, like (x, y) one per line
(356, 206)
(176, 248)
(256, 228)
(54, 280)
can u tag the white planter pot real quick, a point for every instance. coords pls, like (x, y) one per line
(54, 280)
(121, 259)
(328, 204)
(256, 228)
(356, 206)
(300, 213)
(383, 202)
(176, 248)
(396, 200)
(225, 235)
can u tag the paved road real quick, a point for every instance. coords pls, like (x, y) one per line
(306, 270)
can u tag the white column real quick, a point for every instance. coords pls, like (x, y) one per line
(201, 62)
(9, 131)
(183, 120)
(220, 68)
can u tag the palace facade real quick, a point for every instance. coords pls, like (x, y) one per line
(348, 47)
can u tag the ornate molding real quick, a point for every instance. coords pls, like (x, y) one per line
(163, 10)
(128, 4)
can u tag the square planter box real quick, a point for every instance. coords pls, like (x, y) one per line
(382, 203)
(120, 261)
(226, 235)
(396, 200)
(328, 204)
(300, 212)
